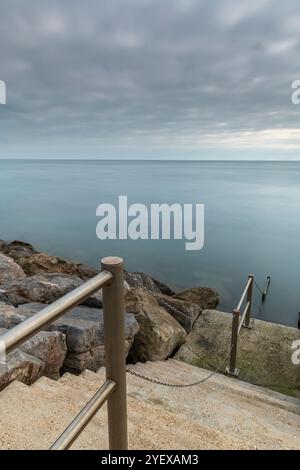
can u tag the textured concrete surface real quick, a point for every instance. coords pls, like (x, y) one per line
(264, 354)
(221, 413)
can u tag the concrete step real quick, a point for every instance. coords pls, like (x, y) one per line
(221, 413)
(35, 417)
(223, 403)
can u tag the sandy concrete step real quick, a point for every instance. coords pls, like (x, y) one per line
(42, 412)
(179, 432)
(223, 403)
(264, 394)
(222, 413)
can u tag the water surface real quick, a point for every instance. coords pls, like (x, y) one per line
(252, 221)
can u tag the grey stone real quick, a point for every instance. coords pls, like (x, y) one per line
(38, 263)
(159, 334)
(185, 313)
(205, 297)
(45, 288)
(20, 366)
(84, 330)
(141, 280)
(9, 316)
(50, 347)
(9, 270)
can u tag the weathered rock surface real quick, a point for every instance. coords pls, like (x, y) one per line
(159, 334)
(20, 366)
(45, 288)
(50, 347)
(4, 299)
(264, 353)
(185, 313)
(140, 279)
(205, 297)
(84, 331)
(9, 270)
(164, 289)
(39, 263)
(17, 249)
(9, 316)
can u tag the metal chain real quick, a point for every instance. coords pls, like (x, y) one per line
(167, 384)
(172, 385)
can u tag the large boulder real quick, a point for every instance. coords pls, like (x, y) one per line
(38, 263)
(20, 366)
(139, 279)
(45, 288)
(9, 270)
(185, 313)
(17, 249)
(205, 297)
(83, 328)
(9, 316)
(50, 347)
(159, 334)
(264, 354)
(4, 299)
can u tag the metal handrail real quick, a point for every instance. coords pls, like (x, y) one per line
(114, 389)
(250, 280)
(238, 321)
(28, 328)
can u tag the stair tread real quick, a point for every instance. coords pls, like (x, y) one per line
(221, 413)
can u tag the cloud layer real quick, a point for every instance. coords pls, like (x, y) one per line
(149, 78)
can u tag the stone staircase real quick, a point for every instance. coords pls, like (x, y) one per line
(221, 413)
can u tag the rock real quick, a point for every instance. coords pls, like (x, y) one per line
(164, 289)
(2, 245)
(18, 249)
(185, 313)
(20, 366)
(4, 299)
(83, 328)
(50, 347)
(159, 334)
(39, 263)
(45, 288)
(9, 316)
(135, 279)
(264, 354)
(205, 297)
(140, 280)
(9, 270)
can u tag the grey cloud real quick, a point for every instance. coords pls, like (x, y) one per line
(109, 77)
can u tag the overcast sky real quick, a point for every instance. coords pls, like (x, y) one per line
(149, 79)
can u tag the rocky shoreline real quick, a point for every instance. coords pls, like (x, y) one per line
(157, 320)
(159, 323)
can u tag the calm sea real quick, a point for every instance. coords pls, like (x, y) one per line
(252, 221)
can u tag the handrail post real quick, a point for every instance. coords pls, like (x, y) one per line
(247, 323)
(232, 370)
(114, 338)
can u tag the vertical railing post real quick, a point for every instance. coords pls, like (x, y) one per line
(114, 337)
(232, 370)
(247, 323)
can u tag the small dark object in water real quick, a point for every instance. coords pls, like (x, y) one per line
(266, 288)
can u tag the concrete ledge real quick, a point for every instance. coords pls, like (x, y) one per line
(264, 353)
